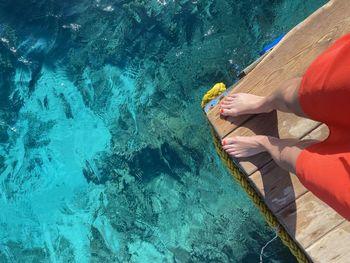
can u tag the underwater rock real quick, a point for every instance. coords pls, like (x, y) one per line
(15, 251)
(7, 69)
(35, 75)
(181, 255)
(142, 251)
(99, 251)
(66, 250)
(67, 108)
(2, 163)
(104, 232)
(90, 175)
(34, 138)
(4, 136)
(148, 163)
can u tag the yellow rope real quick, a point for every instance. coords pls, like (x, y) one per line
(249, 189)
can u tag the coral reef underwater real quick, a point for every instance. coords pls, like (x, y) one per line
(105, 155)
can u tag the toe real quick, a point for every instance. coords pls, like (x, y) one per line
(226, 99)
(226, 106)
(232, 151)
(230, 97)
(226, 102)
(230, 140)
(229, 147)
(227, 142)
(228, 112)
(234, 154)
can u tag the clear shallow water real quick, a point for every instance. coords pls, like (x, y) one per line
(104, 153)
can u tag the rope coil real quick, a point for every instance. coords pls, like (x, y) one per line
(270, 218)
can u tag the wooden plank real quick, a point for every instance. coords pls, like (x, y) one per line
(290, 58)
(320, 133)
(333, 247)
(308, 219)
(279, 187)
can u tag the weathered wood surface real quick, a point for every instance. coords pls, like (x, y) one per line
(337, 241)
(308, 219)
(290, 58)
(318, 229)
(278, 187)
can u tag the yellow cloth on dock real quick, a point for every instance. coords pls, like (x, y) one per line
(213, 92)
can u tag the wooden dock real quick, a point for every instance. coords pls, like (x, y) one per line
(318, 229)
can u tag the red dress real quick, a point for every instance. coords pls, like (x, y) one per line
(324, 95)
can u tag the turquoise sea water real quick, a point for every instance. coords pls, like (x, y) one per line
(105, 155)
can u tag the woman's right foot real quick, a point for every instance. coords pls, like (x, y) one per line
(244, 146)
(244, 103)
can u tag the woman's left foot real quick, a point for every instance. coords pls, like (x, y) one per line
(243, 146)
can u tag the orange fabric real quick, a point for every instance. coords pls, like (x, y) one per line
(324, 95)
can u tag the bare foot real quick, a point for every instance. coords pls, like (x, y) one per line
(243, 146)
(244, 103)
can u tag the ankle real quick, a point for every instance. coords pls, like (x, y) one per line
(267, 104)
(263, 141)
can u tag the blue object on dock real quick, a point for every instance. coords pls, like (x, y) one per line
(271, 45)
